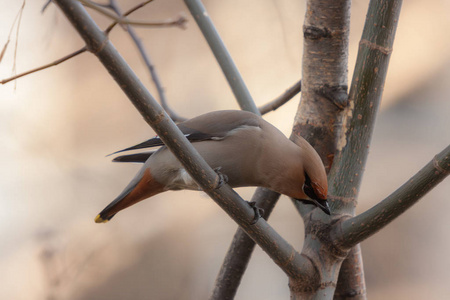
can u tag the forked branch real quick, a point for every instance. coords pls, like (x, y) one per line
(180, 22)
(52, 64)
(73, 54)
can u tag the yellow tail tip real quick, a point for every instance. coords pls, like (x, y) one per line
(99, 219)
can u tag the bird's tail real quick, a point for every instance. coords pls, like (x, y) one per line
(141, 187)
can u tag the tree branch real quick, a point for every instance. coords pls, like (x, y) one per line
(222, 55)
(351, 283)
(241, 248)
(359, 117)
(127, 13)
(52, 64)
(71, 55)
(364, 98)
(180, 22)
(290, 261)
(355, 230)
(151, 68)
(282, 99)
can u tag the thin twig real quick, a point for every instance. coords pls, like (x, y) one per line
(180, 22)
(107, 5)
(54, 63)
(282, 99)
(17, 35)
(130, 11)
(45, 6)
(4, 49)
(151, 68)
(69, 56)
(10, 32)
(18, 18)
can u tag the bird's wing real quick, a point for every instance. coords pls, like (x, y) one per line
(211, 126)
(194, 136)
(134, 158)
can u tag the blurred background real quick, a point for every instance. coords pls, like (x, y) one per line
(57, 126)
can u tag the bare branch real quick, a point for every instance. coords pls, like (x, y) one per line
(17, 19)
(351, 283)
(69, 56)
(355, 230)
(240, 250)
(180, 22)
(282, 99)
(52, 64)
(130, 11)
(222, 55)
(45, 6)
(17, 35)
(4, 50)
(11, 30)
(365, 94)
(270, 241)
(151, 68)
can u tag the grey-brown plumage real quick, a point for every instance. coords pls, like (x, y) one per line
(243, 146)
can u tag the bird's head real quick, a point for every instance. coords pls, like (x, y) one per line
(317, 194)
(315, 185)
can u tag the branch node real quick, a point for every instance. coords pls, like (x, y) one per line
(306, 284)
(315, 33)
(159, 117)
(373, 46)
(337, 94)
(344, 200)
(322, 232)
(101, 46)
(438, 167)
(290, 259)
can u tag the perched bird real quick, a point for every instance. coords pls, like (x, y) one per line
(246, 149)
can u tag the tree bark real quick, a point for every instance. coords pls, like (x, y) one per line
(353, 145)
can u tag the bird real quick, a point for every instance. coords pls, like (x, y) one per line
(242, 147)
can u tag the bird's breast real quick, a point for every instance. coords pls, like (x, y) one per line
(182, 180)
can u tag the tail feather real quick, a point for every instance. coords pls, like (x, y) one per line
(141, 187)
(153, 142)
(134, 158)
(111, 209)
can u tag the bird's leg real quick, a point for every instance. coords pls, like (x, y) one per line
(258, 212)
(222, 177)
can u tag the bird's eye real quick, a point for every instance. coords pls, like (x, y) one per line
(307, 188)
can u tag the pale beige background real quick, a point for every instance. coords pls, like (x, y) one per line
(57, 126)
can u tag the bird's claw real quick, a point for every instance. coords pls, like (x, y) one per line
(222, 177)
(258, 212)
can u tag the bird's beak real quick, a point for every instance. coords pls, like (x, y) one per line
(99, 219)
(323, 205)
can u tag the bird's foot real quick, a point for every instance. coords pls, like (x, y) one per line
(258, 212)
(222, 177)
